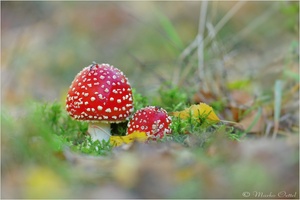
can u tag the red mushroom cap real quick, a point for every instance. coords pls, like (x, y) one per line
(152, 120)
(100, 92)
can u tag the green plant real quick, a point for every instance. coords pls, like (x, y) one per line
(95, 148)
(171, 98)
(139, 100)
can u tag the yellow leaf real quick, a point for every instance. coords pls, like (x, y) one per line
(43, 183)
(135, 136)
(195, 111)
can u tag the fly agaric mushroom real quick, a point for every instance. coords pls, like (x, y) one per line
(152, 120)
(100, 94)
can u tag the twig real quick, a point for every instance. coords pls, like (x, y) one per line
(201, 28)
(193, 45)
(228, 16)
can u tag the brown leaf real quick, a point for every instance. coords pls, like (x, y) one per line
(254, 122)
(241, 98)
(239, 102)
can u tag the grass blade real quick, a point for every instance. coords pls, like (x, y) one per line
(277, 105)
(170, 30)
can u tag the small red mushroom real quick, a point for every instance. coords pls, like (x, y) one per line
(152, 120)
(100, 94)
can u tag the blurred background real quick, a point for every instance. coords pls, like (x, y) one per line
(45, 44)
(247, 63)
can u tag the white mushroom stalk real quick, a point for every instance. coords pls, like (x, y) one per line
(99, 131)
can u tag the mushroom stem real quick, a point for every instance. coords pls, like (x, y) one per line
(99, 131)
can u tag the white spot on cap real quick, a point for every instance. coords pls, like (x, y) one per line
(99, 107)
(93, 98)
(111, 99)
(102, 77)
(108, 110)
(114, 76)
(86, 94)
(86, 103)
(106, 90)
(119, 100)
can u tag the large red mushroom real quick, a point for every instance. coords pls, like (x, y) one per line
(152, 120)
(100, 94)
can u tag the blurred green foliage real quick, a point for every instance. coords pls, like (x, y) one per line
(171, 98)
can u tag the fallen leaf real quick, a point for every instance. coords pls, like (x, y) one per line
(240, 101)
(202, 110)
(241, 98)
(254, 122)
(203, 95)
(127, 139)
